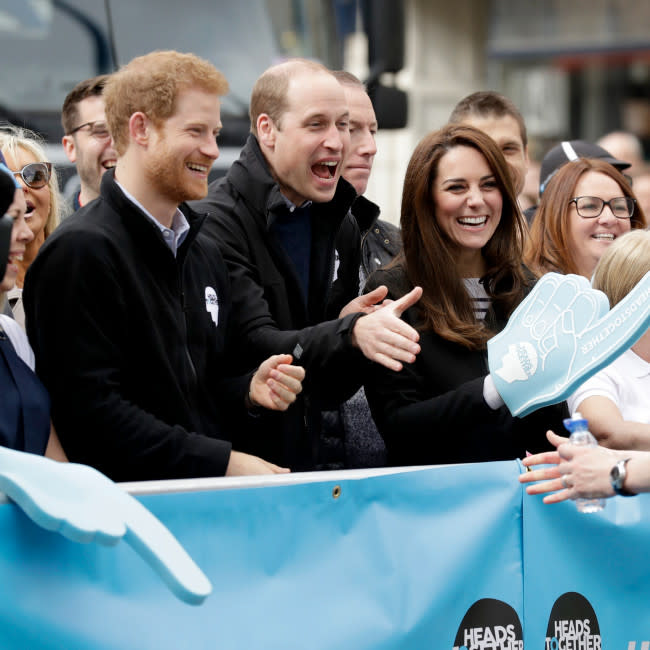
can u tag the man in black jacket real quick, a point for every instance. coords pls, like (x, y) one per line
(129, 305)
(380, 243)
(281, 217)
(380, 240)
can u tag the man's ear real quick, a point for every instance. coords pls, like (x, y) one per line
(140, 128)
(69, 147)
(266, 131)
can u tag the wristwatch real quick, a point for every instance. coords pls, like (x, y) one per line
(617, 478)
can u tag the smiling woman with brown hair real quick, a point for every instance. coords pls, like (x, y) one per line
(463, 236)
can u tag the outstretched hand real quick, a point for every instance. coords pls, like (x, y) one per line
(384, 337)
(277, 383)
(85, 506)
(366, 303)
(575, 472)
(241, 464)
(559, 336)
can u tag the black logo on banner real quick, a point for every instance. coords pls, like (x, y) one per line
(490, 625)
(572, 624)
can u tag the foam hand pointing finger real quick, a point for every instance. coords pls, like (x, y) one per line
(85, 506)
(559, 336)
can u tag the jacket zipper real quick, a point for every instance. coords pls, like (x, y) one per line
(193, 373)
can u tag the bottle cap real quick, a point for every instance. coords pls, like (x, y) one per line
(575, 423)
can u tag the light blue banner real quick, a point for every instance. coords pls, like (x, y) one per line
(395, 561)
(587, 576)
(441, 558)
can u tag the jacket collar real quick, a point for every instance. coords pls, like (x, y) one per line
(251, 177)
(137, 221)
(365, 212)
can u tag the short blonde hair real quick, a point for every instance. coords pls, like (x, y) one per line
(151, 84)
(13, 138)
(623, 265)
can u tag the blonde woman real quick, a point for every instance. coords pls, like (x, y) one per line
(26, 158)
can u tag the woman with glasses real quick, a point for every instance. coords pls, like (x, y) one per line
(462, 236)
(25, 405)
(26, 159)
(585, 207)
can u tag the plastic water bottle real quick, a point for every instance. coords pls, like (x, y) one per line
(580, 435)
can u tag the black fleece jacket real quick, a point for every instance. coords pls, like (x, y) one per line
(271, 314)
(134, 363)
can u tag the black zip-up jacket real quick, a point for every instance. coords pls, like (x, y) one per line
(380, 241)
(124, 343)
(270, 310)
(433, 411)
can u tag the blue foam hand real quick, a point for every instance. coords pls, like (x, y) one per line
(559, 336)
(85, 506)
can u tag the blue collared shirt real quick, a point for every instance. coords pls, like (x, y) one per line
(173, 236)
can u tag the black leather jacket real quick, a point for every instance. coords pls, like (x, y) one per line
(380, 241)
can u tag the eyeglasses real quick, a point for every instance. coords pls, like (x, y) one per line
(590, 207)
(97, 130)
(35, 175)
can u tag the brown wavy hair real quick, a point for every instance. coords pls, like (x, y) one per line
(549, 246)
(430, 256)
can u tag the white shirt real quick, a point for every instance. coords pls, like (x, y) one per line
(18, 339)
(626, 382)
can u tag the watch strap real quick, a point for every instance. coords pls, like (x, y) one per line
(617, 478)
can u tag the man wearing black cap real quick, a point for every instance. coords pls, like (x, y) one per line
(572, 150)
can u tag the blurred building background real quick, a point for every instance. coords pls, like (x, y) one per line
(575, 69)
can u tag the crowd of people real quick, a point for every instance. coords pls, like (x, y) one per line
(182, 328)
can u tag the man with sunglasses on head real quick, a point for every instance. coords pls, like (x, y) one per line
(87, 141)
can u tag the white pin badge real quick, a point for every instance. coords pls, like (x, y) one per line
(212, 304)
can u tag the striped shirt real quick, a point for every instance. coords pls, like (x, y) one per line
(480, 299)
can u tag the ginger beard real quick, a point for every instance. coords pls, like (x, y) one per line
(177, 178)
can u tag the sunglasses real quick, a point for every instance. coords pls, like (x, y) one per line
(35, 175)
